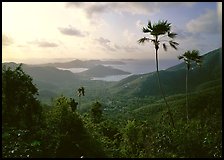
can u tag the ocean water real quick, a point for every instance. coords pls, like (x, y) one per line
(74, 70)
(111, 78)
(132, 66)
(144, 66)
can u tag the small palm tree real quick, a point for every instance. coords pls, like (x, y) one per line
(158, 31)
(81, 92)
(188, 57)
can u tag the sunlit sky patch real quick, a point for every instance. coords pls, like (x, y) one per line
(104, 30)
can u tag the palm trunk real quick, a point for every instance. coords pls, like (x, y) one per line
(157, 70)
(79, 102)
(187, 94)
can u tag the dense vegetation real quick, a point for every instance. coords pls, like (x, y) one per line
(112, 120)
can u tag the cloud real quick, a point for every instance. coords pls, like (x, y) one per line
(105, 43)
(207, 23)
(139, 24)
(6, 41)
(175, 4)
(128, 48)
(144, 8)
(43, 44)
(71, 31)
(90, 8)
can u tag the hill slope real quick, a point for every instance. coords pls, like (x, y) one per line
(81, 64)
(173, 78)
(101, 71)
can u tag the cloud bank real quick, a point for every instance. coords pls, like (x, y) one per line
(71, 31)
(43, 44)
(6, 41)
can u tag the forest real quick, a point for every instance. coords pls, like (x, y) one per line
(172, 113)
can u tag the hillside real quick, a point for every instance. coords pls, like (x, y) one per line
(81, 64)
(130, 108)
(47, 74)
(52, 81)
(101, 71)
(173, 78)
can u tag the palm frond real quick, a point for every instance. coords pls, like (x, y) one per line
(164, 47)
(149, 25)
(160, 28)
(173, 44)
(146, 30)
(180, 57)
(142, 40)
(172, 35)
(192, 56)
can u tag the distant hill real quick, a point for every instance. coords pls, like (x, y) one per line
(47, 74)
(82, 64)
(52, 81)
(173, 78)
(102, 71)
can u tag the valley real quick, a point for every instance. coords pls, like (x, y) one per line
(136, 99)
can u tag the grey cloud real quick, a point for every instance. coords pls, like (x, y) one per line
(71, 31)
(102, 7)
(105, 43)
(207, 23)
(43, 44)
(91, 7)
(6, 41)
(146, 8)
(126, 48)
(129, 49)
(76, 4)
(47, 44)
(175, 4)
(182, 33)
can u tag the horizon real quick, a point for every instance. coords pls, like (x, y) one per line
(103, 30)
(35, 61)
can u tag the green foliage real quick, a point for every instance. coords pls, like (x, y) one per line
(65, 135)
(130, 124)
(73, 104)
(186, 141)
(21, 143)
(96, 112)
(20, 108)
(22, 114)
(133, 139)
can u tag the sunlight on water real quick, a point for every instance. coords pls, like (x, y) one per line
(74, 70)
(132, 66)
(112, 78)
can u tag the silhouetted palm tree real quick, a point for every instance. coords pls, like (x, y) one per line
(81, 92)
(158, 31)
(188, 57)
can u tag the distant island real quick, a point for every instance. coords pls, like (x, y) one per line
(102, 71)
(83, 64)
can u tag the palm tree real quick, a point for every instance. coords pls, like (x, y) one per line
(81, 92)
(188, 57)
(158, 31)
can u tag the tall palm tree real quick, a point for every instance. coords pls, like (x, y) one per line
(188, 57)
(158, 31)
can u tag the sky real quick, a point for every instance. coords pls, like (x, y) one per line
(37, 32)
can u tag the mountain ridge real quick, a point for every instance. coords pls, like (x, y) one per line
(173, 78)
